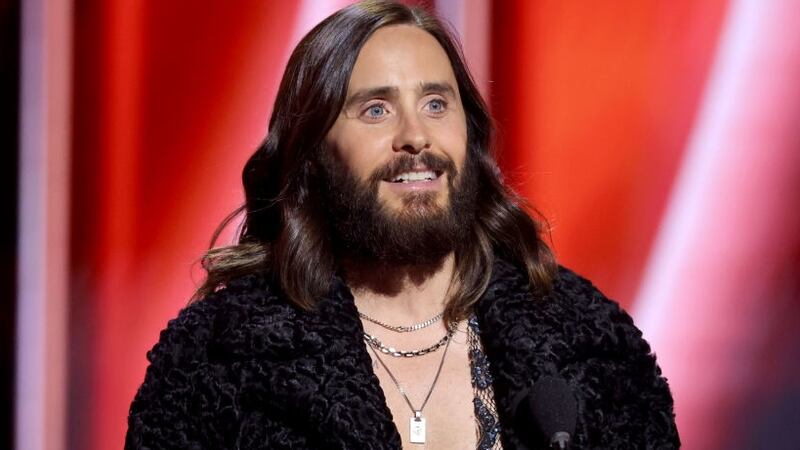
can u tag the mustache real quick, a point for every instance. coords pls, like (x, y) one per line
(407, 163)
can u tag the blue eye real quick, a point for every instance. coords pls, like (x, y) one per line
(376, 111)
(437, 105)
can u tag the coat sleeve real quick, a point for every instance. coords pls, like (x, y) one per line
(623, 399)
(182, 399)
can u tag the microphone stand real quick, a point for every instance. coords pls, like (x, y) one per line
(560, 440)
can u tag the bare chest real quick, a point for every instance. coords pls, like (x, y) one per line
(447, 419)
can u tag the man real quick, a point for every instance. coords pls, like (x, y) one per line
(388, 290)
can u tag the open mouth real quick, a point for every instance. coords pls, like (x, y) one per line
(416, 176)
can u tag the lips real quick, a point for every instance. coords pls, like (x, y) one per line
(415, 176)
(424, 171)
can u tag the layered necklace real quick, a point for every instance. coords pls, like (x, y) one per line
(416, 424)
(400, 328)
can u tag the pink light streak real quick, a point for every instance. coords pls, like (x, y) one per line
(43, 223)
(724, 250)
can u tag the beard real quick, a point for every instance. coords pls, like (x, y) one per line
(420, 232)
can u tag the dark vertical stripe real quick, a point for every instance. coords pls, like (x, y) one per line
(9, 163)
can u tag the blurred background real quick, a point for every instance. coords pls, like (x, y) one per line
(660, 139)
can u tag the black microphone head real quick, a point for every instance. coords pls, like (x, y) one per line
(553, 406)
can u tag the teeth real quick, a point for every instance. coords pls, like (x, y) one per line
(414, 176)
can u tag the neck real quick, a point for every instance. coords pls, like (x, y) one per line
(400, 294)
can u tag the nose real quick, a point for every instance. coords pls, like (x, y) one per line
(411, 135)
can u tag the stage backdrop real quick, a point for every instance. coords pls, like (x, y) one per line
(659, 140)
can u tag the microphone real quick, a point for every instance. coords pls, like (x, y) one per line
(554, 410)
(549, 405)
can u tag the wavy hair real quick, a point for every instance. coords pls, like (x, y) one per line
(284, 233)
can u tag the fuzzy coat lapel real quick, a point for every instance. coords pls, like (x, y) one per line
(349, 404)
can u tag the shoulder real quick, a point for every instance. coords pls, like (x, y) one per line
(223, 317)
(204, 357)
(575, 294)
(589, 322)
(573, 320)
(571, 297)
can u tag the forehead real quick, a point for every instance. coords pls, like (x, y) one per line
(401, 56)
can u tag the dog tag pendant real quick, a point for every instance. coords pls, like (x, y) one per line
(417, 428)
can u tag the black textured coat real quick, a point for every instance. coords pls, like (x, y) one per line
(243, 369)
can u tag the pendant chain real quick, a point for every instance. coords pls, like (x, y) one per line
(416, 412)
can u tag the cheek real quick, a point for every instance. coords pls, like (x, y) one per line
(453, 139)
(360, 149)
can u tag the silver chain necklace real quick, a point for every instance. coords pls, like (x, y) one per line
(375, 343)
(400, 328)
(416, 424)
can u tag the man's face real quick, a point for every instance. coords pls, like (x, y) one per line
(402, 102)
(395, 175)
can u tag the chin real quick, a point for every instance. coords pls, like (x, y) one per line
(424, 211)
(420, 203)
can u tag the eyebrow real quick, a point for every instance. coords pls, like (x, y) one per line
(365, 94)
(443, 88)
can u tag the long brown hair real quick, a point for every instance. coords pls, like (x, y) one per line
(283, 232)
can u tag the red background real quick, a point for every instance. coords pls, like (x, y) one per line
(601, 107)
